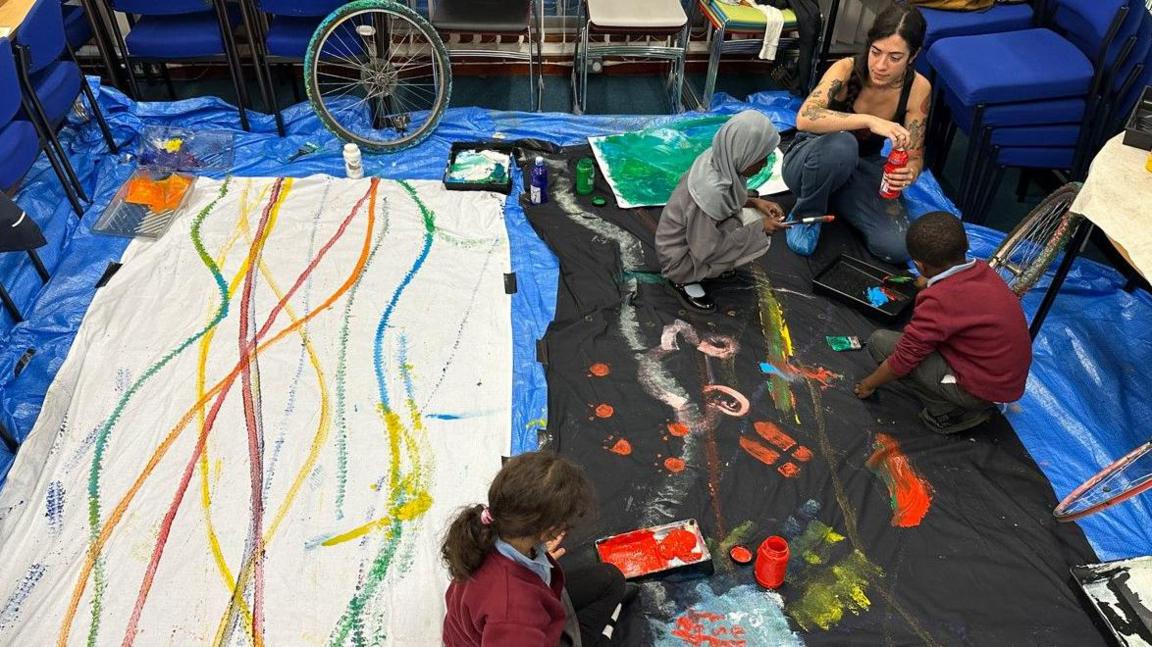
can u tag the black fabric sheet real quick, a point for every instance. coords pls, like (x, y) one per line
(986, 565)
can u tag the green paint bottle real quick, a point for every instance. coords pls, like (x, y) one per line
(585, 176)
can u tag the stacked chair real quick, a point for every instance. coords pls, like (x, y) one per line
(1021, 96)
(184, 31)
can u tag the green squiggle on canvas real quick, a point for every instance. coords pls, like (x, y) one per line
(102, 436)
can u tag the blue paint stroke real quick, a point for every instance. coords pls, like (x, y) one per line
(54, 504)
(11, 612)
(877, 297)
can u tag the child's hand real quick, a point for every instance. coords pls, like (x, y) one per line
(920, 283)
(554, 548)
(863, 390)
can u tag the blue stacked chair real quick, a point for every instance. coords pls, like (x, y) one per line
(186, 31)
(77, 29)
(22, 139)
(1049, 78)
(51, 80)
(281, 31)
(997, 18)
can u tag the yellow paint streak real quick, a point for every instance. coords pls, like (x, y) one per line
(830, 593)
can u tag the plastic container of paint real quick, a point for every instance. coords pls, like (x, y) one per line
(772, 562)
(585, 176)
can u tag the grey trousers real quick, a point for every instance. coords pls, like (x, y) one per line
(828, 175)
(924, 380)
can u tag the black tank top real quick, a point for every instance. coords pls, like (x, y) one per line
(871, 143)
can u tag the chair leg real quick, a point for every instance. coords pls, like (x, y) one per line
(133, 86)
(1022, 184)
(585, 38)
(975, 130)
(989, 193)
(678, 67)
(716, 51)
(286, 74)
(100, 121)
(233, 60)
(167, 78)
(41, 271)
(259, 54)
(532, 58)
(10, 305)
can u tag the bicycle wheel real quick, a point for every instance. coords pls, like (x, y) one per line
(1118, 482)
(1031, 247)
(378, 75)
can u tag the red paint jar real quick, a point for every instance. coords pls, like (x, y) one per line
(772, 562)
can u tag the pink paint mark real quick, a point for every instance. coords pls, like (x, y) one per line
(770, 432)
(759, 451)
(189, 468)
(726, 399)
(910, 495)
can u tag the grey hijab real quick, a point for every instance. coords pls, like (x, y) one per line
(714, 181)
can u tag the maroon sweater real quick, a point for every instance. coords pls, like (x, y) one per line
(504, 603)
(975, 322)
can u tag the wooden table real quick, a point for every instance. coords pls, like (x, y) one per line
(12, 13)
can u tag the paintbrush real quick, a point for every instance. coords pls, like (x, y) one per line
(898, 279)
(813, 220)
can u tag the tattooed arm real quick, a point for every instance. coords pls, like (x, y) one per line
(815, 117)
(916, 121)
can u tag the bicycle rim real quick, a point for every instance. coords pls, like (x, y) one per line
(1116, 483)
(1032, 245)
(378, 75)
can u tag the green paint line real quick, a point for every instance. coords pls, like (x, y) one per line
(651, 278)
(101, 444)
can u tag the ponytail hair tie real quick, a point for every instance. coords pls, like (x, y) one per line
(486, 516)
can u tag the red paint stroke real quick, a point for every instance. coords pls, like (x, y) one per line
(604, 411)
(820, 374)
(679, 544)
(622, 447)
(759, 450)
(634, 553)
(793, 372)
(770, 432)
(788, 470)
(599, 369)
(209, 422)
(740, 554)
(892, 295)
(726, 399)
(706, 629)
(911, 495)
(802, 454)
(678, 429)
(674, 465)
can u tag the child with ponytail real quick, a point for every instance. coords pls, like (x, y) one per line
(507, 588)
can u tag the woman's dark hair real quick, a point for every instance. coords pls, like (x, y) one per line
(897, 19)
(532, 494)
(938, 239)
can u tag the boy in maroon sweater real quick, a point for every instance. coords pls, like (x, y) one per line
(967, 346)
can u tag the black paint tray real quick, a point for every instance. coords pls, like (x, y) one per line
(849, 279)
(504, 185)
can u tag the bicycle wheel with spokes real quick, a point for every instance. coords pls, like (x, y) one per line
(1031, 247)
(378, 75)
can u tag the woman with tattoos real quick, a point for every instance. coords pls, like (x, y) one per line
(835, 165)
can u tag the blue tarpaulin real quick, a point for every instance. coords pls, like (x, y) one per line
(1085, 405)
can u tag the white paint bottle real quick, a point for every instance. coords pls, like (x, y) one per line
(353, 167)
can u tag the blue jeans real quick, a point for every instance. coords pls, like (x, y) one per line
(827, 175)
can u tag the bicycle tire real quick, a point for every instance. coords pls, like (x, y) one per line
(1065, 510)
(439, 54)
(1025, 278)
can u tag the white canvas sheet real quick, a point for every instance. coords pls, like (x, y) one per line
(376, 402)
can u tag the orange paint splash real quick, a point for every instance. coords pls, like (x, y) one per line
(679, 544)
(820, 374)
(622, 447)
(802, 454)
(788, 470)
(605, 411)
(759, 450)
(599, 369)
(674, 465)
(678, 429)
(911, 495)
(773, 435)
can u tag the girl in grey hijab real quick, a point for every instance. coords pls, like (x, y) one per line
(712, 224)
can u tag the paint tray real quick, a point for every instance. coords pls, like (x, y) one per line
(851, 280)
(146, 204)
(480, 166)
(676, 546)
(1121, 592)
(181, 149)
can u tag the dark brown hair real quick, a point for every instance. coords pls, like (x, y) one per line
(938, 239)
(897, 19)
(532, 494)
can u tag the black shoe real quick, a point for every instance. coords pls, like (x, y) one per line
(955, 421)
(703, 303)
